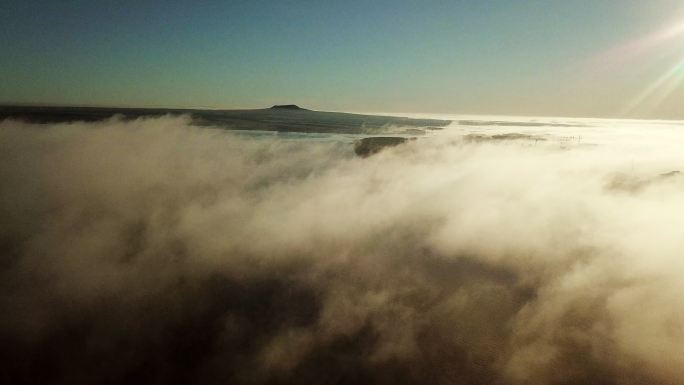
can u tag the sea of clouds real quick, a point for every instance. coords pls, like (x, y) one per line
(155, 252)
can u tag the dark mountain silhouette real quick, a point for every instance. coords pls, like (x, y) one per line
(288, 107)
(280, 118)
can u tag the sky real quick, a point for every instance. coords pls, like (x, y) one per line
(587, 58)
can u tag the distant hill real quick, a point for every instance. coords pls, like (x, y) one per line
(281, 118)
(288, 107)
(369, 146)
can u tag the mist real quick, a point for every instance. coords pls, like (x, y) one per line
(151, 251)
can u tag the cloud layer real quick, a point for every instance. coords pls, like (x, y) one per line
(150, 251)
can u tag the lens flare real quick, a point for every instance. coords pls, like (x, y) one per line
(640, 46)
(658, 91)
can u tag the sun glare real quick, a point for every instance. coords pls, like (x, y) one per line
(658, 91)
(661, 88)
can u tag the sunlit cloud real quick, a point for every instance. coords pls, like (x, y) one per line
(481, 247)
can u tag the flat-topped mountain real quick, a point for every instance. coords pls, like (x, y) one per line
(288, 107)
(281, 118)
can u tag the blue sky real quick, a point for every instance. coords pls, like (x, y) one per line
(525, 57)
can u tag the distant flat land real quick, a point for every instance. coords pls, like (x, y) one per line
(284, 118)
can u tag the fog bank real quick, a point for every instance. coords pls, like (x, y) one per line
(151, 251)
